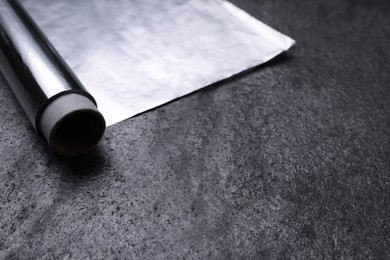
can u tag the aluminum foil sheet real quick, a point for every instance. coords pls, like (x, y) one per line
(136, 55)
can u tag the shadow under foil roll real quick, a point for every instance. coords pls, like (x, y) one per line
(56, 103)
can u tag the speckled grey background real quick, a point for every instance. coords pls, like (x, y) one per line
(289, 160)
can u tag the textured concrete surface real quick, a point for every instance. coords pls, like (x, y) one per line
(290, 160)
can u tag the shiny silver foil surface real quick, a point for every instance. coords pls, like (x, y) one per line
(34, 70)
(135, 55)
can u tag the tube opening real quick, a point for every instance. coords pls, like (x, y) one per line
(77, 133)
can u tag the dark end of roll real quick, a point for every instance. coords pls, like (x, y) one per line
(72, 125)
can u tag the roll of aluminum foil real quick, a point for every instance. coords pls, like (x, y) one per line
(130, 55)
(56, 103)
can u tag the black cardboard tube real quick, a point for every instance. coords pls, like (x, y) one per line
(56, 103)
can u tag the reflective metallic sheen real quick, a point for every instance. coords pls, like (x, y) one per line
(134, 55)
(34, 70)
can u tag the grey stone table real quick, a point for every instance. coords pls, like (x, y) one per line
(289, 160)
